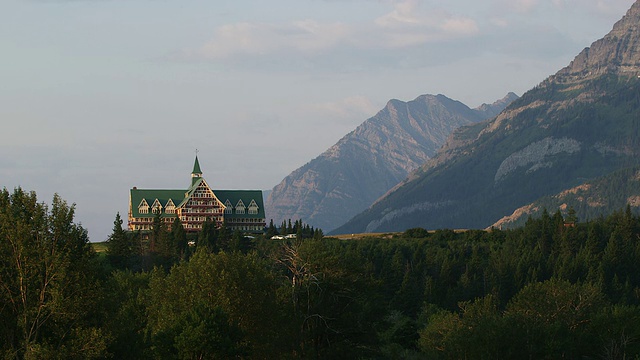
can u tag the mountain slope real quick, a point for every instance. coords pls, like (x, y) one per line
(579, 124)
(589, 200)
(367, 162)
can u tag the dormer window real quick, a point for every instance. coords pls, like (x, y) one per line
(253, 208)
(228, 207)
(143, 207)
(156, 208)
(170, 207)
(240, 207)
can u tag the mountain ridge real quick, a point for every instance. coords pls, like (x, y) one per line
(365, 163)
(579, 123)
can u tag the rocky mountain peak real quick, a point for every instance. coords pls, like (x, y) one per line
(364, 164)
(618, 51)
(491, 110)
(577, 125)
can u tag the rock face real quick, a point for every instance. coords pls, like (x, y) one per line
(534, 155)
(618, 51)
(579, 124)
(367, 162)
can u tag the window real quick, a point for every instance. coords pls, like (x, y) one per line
(170, 208)
(228, 207)
(253, 208)
(156, 207)
(143, 207)
(240, 207)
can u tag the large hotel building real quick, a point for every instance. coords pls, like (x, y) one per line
(241, 210)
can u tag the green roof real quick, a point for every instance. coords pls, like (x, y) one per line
(196, 167)
(150, 195)
(234, 196)
(179, 196)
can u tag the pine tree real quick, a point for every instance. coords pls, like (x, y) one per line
(179, 237)
(271, 230)
(118, 244)
(208, 236)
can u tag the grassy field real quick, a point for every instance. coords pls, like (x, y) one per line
(99, 247)
(363, 235)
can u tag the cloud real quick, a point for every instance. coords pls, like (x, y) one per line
(406, 25)
(604, 8)
(523, 6)
(406, 34)
(597, 7)
(306, 36)
(404, 13)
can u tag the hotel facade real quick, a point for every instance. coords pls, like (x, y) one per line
(241, 210)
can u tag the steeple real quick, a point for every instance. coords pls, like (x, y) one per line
(196, 173)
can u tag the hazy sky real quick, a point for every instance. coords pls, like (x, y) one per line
(98, 96)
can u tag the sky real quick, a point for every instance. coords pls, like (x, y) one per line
(99, 96)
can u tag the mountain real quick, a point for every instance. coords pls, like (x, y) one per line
(589, 200)
(579, 124)
(366, 163)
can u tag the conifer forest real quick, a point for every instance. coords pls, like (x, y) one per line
(556, 287)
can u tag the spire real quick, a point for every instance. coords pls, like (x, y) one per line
(196, 169)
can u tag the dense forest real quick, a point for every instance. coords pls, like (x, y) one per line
(591, 199)
(553, 288)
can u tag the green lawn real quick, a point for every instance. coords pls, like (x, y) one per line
(99, 247)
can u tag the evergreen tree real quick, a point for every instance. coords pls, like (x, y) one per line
(179, 238)
(158, 234)
(208, 236)
(238, 242)
(271, 230)
(224, 236)
(119, 245)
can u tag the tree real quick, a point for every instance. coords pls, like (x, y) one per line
(551, 318)
(271, 230)
(179, 238)
(208, 236)
(205, 332)
(214, 300)
(328, 297)
(158, 235)
(238, 242)
(48, 286)
(119, 244)
(125, 314)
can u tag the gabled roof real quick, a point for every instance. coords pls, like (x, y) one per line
(180, 197)
(195, 183)
(150, 195)
(234, 196)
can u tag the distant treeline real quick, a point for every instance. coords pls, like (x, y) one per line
(552, 288)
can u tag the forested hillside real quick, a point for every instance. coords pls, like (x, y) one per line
(588, 201)
(553, 288)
